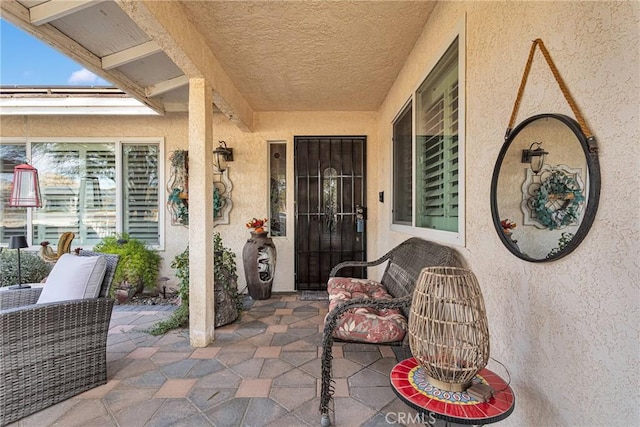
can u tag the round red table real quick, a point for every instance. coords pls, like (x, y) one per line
(409, 381)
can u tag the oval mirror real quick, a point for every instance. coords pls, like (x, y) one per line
(545, 188)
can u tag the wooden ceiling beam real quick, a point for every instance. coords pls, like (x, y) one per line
(46, 12)
(166, 86)
(126, 56)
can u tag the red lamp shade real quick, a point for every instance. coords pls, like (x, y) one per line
(25, 191)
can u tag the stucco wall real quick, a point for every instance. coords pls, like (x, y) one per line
(567, 331)
(248, 172)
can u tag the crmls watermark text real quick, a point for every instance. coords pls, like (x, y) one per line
(410, 418)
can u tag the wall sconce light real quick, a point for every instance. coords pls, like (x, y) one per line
(25, 191)
(534, 156)
(221, 156)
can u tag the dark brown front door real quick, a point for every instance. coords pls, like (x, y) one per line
(330, 202)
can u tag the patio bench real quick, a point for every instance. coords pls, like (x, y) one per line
(376, 312)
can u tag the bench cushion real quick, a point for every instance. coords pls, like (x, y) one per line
(364, 324)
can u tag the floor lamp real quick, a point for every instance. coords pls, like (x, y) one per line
(25, 193)
(18, 242)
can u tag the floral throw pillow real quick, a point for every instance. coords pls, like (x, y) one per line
(365, 324)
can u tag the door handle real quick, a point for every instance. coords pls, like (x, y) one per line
(360, 218)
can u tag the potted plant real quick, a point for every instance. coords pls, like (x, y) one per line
(228, 301)
(138, 266)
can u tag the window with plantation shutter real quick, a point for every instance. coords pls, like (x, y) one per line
(437, 200)
(60, 187)
(77, 181)
(437, 146)
(98, 194)
(93, 189)
(140, 167)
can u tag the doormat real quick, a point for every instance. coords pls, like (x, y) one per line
(314, 296)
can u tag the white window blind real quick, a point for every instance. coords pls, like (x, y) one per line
(140, 169)
(77, 181)
(98, 194)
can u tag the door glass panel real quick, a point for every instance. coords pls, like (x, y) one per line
(278, 189)
(330, 198)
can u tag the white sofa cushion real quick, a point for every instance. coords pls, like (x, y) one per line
(74, 277)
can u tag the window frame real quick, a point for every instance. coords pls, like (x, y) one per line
(119, 144)
(401, 114)
(457, 238)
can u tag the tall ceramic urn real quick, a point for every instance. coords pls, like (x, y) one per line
(259, 259)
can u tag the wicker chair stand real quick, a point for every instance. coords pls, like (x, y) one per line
(405, 262)
(51, 352)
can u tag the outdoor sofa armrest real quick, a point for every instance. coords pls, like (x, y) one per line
(331, 321)
(51, 352)
(10, 298)
(345, 264)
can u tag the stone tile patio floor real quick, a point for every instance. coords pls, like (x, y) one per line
(262, 370)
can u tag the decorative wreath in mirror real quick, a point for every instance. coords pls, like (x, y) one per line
(557, 202)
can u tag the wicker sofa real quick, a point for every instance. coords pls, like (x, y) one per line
(53, 351)
(404, 264)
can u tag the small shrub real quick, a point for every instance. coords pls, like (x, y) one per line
(178, 319)
(181, 265)
(224, 272)
(33, 268)
(138, 264)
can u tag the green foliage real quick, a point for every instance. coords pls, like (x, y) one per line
(224, 269)
(181, 264)
(33, 268)
(179, 158)
(179, 206)
(224, 272)
(218, 202)
(564, 240)
(138, 264)
(178, 319)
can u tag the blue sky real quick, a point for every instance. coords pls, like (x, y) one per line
(27, 61)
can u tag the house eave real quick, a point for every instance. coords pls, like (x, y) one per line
(28, 101)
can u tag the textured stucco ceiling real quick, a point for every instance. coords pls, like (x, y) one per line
(311, 55)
